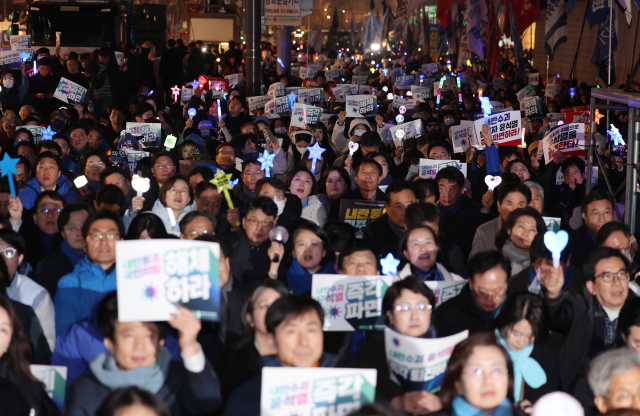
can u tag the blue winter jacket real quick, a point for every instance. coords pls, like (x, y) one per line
(79, 290)
(64, 187)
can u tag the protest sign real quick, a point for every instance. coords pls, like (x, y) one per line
(19, 41)
(359, 79)
(499, 83)
(351, 303)
(278, 107)
(505, 128)
(277, 89)
(308, 73)
(324, 118)
(367, 89)
(421, 93)
(36, 131)
(305, 115)
(429, 168)
(464, 136)
(446, 289)
(310, 83)
(70, 92)
(294, 90)
(156, 276)
(527, 91)
(133, 156)
(310, 96)
(552, 90)
(532, 108)
(431, 68)
(361, 105)
(556, 116)
(288, 391)
(552, 223)
(353, 88)
(404, 82)
(54, 378)
(150, 133)
(567, 138)
(258, 103)
(185, 95)
(497, 105)
(577, 117)
(360, 213)
(407, 130)
(10, 58)
(534, 79)
(341, 92)
(216, 83)
(235, 80)
(419, 363)
(332, 75)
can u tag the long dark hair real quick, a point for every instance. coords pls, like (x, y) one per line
(519, 306)
(129, 396)
(322, 185)
(503, 234)
(326, 245)
(18, 356)
(148, 222)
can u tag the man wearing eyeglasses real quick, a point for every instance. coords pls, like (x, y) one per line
(226, 160)
(48, 178)
(94, 275)
(587, 318)
(251, 174)
(40, 230)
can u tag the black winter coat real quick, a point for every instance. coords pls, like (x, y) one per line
(51, 269)
(457, 314)
(19, 394)
(459, 228)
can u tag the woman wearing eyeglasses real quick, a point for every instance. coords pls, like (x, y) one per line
(92, 164)
(407, 308)
(175, 200)
(521, 327)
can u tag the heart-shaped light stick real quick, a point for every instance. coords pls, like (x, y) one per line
(353, 147)
(140, 184)
(555, 243)
(492, 181)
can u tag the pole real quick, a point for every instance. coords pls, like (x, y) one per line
(575, 58)
(284, 49)
(632, 163)
(610, 25)
(546, 99)
(253, 27)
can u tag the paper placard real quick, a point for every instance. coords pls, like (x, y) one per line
(277, 89)
(421, 93)
(305, 115)
(534, 79)
(290, 391)
(429, 168)
(351, 303)
(366, 89)
(10, 57)
(293, 90)
(310, 96)
(361, 106)
(552, 90)
(341, 92)
(505, 128)
(409, 130)
(404, 82)
(497, 105)
(353, 87)
(58, 39)
(308, 73)
(532, 108)
(527, 91)
(431, 68)
(155, 276)
(119, 58)
(359, 79)
(277, 107)
(446, 289)
(324, 119)
(22, 41)
(133, 156)
(568, 138)
(185, 95)
(555, 116)
(36, 131)
(235, 80)
(332, 75)
(419, 363)
(150, 134)
(258, 103)
(360, 213)
(70, 92)
(552, 223)
(54, 378)
(499, 83)
(462, 137)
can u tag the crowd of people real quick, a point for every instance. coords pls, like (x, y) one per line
(543, 339)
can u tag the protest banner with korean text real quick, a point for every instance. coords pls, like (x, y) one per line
(361, 105)
(278, 107)
(70, 92)
(277, 89)
(552, 223)
(310, 96)
(532, 108)
(258, 103)
(421, 93)
(505, 128)
(464, 136)
(567, 138)
(429, 168)
(407, 130)
(341, 92)
(305, 115)
(360, 213)
(150, 133)
(36, 131)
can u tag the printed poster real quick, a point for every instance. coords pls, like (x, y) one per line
(310, 96)
(36, 131)
(258, 103)
(288, 391)
(429, 168)
(54, 378)
(407, 130)
(404, 82)
(534, 79)
(552, 223)
(532, 108)
(505, 128)
(419, 363)
(185, 95)
(150, 134)
(155, 276)
(308, 73)
(324, 118)
(69, 92)
(277, 89)
(354, 88)
(421, 93)
(445, 290)
(332, 75)
(464, 136)
(278, 107)
(351, 303)
(10, 57)
(20, 41)
(305, 115)
(361, 106)
(279, 13)
(359, 79)
(527, 91)
(341, 92)
(235, 80)
(432, 68)
(360, 213)
(568, 138)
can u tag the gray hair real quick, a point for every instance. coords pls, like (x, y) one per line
(27, 107)
(531, 184)
(9, 118)
(609, 364)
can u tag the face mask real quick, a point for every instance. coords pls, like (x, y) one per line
(116, 119)
(206, 134)
(449, 122)
(301, 149)
(58, 124)
(281, 130)
(359, 132)
(280, 204)
(8, 83)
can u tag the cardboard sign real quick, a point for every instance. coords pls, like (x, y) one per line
(310, 96)
(341, 92)
(217, 84)
(367, 89)
(20, 41)
(332, 75)
(305, 115)
(527, 91)
(360, 213)
(506, 128)
(155, 276)
(36, 131)
(532, 108)
(277, 107)
(290, 391)
(235, 80)
(359, 79)
(446, 289)
(429, 168)
(133, 156)
(361, 106)
(407, 130)
(185, 95)
(119, 58)
(421, 93)
(54, 378)
(555, 116)
(567, 138)
(351, 303)
(277, 89)
(258, 103)
(552, 90)
(151, 133)
(70, 92)
(552, 223)
(418, 363)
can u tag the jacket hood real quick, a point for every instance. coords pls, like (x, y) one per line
(161, 211)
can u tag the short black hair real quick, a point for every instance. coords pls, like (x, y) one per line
(142, 108)
(573, 161)
(439, 143)
(519, 306)
(224, 249)
(291, 306)
(371, 162)
(13, 239)
(340, 234)
(629, 316)
(128, 396)
(510, 187)
(65, 215)
(451, 174)
(49, 194)
(262, 203)
(203, 186)
(103, 214)
(420, 212)
(370, 139)
(107, 317)
(250, 161)
(48, 155)
(207, 174)
(49, 145)
(596, 194)
(397, 186)
(354, 248)
(24, 161)
(195, 214)
(111, 170)
(610, 228)
(539, 251)
(425, 188)
(598, 254)
(155, 157)
(149, 222)
(110, 195)
(79, 126)
(252, 297)
(411, 283)
(484, 261)
(503, 154)
(274, 182)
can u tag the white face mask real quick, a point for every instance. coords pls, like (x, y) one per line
(359, 132)
(279, 203)
(449, 122)
(301, 149)
(8, 83)
(281, 130)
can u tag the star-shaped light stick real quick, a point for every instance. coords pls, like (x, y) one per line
(385, 71)
(266, 163)
(175, 91)
(486, 108)
(47, 134)
(615, 136)
(194, 84)
(292, 100)
(8, 167)
(389, 265)
(315, 153)
(221, 181)
(598, 116)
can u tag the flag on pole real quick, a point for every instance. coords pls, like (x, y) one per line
(442, 12)
(598, 12)
(556, 26)
(476, 11)
(601, 52)
(571, 3)
(625, 7)
(517, 41)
